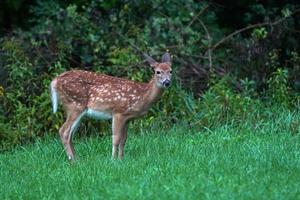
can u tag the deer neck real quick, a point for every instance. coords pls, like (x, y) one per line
(153, 93)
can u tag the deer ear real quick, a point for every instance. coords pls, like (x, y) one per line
(150, 60)
(166, 58)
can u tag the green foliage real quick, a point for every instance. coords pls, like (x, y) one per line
(97, 36)
(8, 135)
(259, 33)
(1, 91)
(221, 105)
(279, 91)
(26, 100)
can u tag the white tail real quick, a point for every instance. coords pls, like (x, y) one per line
(54, 97)
(100, 96)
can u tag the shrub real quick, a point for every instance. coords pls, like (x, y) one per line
(107, 36)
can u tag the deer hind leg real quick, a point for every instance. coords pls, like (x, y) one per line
(118, 124)
(66, 131)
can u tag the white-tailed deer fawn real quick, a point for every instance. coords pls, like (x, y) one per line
(84, 93)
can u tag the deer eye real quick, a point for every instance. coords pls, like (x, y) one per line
(158, 72)
(171, 72)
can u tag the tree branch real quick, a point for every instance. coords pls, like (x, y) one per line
(251, 27)
(198, 15)
(209, 51)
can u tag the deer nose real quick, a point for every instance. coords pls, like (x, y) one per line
(167, 83)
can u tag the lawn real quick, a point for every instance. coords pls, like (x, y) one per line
(225, 163)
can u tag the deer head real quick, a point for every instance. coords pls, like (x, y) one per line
(162, 70)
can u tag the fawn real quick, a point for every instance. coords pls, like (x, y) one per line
(100, 96)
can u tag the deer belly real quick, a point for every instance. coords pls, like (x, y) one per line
(98, 114)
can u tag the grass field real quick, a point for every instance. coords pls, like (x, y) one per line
(226, 163)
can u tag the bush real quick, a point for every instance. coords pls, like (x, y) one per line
(244, 76)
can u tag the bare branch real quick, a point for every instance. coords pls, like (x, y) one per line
(251, 27)
(198, 15)
(209, 51)
(239, 31)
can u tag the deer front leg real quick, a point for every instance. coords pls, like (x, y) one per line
(123, 141)
(118, 124)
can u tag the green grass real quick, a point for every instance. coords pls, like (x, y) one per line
(226, 163)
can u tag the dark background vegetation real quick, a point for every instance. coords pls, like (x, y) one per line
(233, 60)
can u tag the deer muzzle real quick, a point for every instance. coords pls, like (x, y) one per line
(167, 83)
